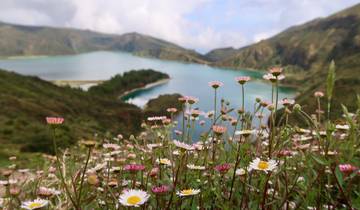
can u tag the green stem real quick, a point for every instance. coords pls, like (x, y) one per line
(60, 172)
(234, 173)
(183, 122)
(83, 176)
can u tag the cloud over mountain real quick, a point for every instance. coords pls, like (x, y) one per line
(199, 24)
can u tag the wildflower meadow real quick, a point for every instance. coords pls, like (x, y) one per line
(254, 158)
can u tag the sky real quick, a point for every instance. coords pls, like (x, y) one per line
(196, 24)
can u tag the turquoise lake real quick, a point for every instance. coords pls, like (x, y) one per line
(186, 79)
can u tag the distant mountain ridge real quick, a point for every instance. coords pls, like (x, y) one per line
(20, 40)
(303, 47)
(305, 51)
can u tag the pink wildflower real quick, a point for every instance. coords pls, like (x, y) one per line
(215, 84)
(111, 146)
(219, 130)
(319, 94)
(159, 190)
(287, 102)
(154, 172)
(347, 168)
(171, 110)
(242, 80)
(54, 120)
(191, 99)
(134, 167)
(223, 168)
(276, 71)
(272, 78)
(284, 153)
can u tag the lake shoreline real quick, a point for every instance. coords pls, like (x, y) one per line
(147, 86)
(210, 64)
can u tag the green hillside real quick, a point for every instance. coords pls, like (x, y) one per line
(20, 40)
(26, 101)
(306, 51)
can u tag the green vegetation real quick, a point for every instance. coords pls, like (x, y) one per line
(158, 106)
(26, 101)
(130, 80)
(250, 166)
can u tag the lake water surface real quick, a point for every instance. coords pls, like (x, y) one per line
(186, 79)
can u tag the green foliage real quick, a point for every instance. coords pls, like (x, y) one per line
(158, 106)
(130, 80)
(330, 86)
(330, 81)
(26, 101)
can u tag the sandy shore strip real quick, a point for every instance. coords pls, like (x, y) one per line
(150, 85)
(77, 83)
(20, 57)
(85, 84)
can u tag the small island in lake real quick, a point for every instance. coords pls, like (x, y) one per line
(120, 85)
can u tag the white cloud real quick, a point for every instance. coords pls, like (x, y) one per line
(169, 19)
(264, 35)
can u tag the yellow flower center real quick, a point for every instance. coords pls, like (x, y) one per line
(187, 192)
(163, 161)
(133, 200)
(263, 165)
(35, 205)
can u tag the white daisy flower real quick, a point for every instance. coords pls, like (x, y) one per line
(4, 182)
(116, 152)
(23, 170)
(198, 146)
(115, 169)
(133, 197)
(302, 138)
(321, 133)
(13, 181)
(244, 132)
(262, 134)
(261, 165)
(35, 204)
(240, 172)
(176, 152)
(97, 168)
(111, 146)
(163, 161)
(183, 145)
(194, 167)
(349, 114)
(44, 191)
(153, 146)
(342, 127)
(302, 130)
(109, 159)
(188, 192)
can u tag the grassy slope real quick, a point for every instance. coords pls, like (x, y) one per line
(19, 40)
(26, 101)
(158, 106)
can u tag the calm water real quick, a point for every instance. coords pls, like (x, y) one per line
(186, 79)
